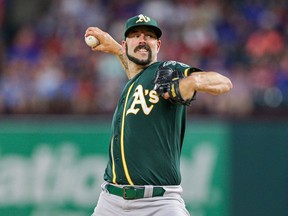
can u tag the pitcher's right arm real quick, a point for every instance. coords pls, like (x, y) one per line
(108, 45)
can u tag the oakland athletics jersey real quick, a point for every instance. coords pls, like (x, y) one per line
(147, 133)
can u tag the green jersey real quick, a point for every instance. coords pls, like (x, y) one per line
(147, 133)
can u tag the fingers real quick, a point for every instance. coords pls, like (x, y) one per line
(166, 96)
(93, 31)
(106, 44)
(97, 33)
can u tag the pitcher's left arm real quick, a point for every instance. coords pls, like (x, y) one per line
(209, 82)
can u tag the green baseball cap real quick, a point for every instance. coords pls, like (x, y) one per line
(142, 20)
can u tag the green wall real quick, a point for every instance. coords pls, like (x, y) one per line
(260, 168)
(54, 166)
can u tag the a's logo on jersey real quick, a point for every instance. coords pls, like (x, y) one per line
(139, 99)
(143, 18)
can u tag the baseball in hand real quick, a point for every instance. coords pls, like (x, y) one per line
(91, 41)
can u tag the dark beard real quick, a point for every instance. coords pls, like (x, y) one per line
(138, 61)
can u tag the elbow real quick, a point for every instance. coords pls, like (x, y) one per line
(224, 84)
(227, 86)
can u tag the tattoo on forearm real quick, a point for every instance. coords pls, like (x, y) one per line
(123, 61)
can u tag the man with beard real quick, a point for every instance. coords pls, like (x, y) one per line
(142, 176)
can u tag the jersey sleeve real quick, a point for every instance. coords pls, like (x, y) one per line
(191, 70)
(184, 68)
(179, 66)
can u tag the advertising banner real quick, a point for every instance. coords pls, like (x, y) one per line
(56, 167)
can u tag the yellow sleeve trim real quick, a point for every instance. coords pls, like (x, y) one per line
(186, 72)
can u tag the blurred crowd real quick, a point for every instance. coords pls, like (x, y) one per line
(46, 67)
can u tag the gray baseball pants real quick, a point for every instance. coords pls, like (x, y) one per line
(171, 204)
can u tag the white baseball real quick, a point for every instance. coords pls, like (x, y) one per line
(91, 41)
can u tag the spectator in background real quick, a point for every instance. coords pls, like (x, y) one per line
(247, 39)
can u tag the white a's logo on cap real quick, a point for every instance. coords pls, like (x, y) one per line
(143, 18)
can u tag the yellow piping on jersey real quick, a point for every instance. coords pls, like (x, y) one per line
(122, 139)
(113, 163)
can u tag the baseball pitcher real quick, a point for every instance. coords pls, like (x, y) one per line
(143, 176)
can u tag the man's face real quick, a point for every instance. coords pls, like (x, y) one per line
(142, 46)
